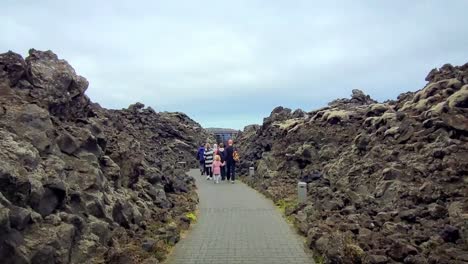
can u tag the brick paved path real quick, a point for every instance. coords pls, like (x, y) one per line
(237, 225)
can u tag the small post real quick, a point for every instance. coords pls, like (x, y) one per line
(251, 171)
(301, 192)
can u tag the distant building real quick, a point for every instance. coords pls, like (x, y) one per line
(223, 134)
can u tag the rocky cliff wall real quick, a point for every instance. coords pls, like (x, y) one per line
(387, 182)
(83, 184)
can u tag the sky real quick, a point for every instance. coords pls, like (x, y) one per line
(229, 63)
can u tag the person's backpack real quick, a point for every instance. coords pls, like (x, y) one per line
(235, 156)
(200, 154)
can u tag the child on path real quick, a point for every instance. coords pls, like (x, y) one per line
(217, 164)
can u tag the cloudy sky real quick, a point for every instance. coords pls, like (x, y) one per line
(229, 63)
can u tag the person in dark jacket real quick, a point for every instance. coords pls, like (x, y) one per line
(230, 162)
(222, 154)
(201, 159)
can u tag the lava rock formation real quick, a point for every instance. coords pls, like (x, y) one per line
(387, 182)
(83, 184)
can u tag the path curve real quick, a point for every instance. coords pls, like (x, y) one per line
(236, 224)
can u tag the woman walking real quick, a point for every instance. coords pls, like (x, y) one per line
(208, 155)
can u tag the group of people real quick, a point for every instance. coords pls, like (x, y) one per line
(218, 163)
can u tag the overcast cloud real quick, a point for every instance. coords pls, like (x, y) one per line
(229, 63)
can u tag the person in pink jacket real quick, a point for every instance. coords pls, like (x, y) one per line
(217, 164)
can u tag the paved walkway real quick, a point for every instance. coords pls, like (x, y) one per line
(237, 225)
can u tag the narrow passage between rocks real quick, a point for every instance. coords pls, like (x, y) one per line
(236, 224)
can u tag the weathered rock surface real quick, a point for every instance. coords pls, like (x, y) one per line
(84, 184)
(387, 182)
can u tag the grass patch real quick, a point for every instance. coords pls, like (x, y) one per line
(319, 259)
(192, 216)
(284, 206)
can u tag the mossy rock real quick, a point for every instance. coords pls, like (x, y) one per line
(336, 116)
(459, 99)
(287, 124)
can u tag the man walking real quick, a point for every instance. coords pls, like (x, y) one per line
(222, 154)
(230, 162)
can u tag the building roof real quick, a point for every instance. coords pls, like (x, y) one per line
(222, 130)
